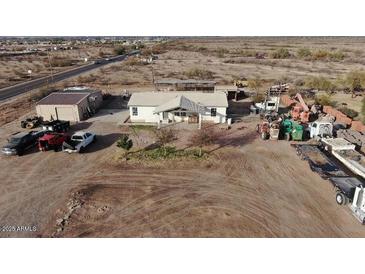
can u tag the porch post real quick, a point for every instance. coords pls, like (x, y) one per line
(158, 122)
(200, 121)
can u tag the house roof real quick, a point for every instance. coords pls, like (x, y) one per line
(63, 98)
(189, 81)
(154, 99)
(180, 101)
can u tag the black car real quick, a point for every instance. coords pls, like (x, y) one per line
(20, 142)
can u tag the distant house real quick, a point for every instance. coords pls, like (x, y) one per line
(70, 105)
(170, 107)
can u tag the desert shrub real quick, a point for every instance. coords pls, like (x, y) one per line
(133, 61)
(320, 55)
(166, 153)
(337, 56)
(281, 53)
(199, 73)
(120, 50)
(254, 83)
(221, 52)
(61, 62)
(349, 112)
(324, 100)
(363, 110)
(165, 136)
(258, 98)
(299, 82)
(304, 53)
(320, 83)
(355, 80)
(124, 142)
(203, 137)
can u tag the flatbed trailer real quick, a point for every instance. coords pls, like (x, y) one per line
(345, 152)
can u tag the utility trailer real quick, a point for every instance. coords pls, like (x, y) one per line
(345, 152)
(349, 190)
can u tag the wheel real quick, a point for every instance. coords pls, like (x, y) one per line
(29, 125)
(20, 152)
(94, 139)
(82, 149)
(287, 136)
(341, 199)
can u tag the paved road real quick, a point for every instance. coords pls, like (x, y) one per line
(21, 88)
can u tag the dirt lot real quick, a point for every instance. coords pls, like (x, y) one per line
(246, 188)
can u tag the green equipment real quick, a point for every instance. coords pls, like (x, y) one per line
(292, 130)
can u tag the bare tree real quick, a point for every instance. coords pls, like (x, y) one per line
(203, 137)
(165, 136)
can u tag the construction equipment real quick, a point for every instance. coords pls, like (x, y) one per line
(321, 129)
(270, 126)
(31, 122)
(300, 111)
(292, 130)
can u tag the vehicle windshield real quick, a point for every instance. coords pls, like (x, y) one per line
(77, 138)
(14, 140)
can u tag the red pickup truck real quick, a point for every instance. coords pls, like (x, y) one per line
(52, 141)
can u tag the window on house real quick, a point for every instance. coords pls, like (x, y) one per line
(213, 112)
(134, 111)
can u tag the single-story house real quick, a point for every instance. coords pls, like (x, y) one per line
(71, 106)
(170, 107)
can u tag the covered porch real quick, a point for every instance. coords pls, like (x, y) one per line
(180, 109)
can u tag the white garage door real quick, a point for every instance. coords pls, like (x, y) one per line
(66, 113)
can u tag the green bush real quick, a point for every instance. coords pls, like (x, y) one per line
(281, 53)
(168, 152)
(304, 53)
(258, 98)
(337, 56)
(124, 142)
(199, 73)
(349, 112)
(120, 50)
(324, 100)
(320, 83)
(355, 80)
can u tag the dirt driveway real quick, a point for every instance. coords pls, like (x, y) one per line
(248, 188)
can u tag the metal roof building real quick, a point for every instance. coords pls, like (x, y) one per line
(70, 106)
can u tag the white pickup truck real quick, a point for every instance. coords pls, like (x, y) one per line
(78, 142)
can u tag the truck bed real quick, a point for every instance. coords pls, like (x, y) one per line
(352, 159)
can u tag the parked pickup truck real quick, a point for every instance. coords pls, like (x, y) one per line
(52, 141)
(78, 142)
(21, 141)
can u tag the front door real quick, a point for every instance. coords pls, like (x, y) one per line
(165, 116)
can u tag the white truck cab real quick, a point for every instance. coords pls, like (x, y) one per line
(321, 129)
(79, 141)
